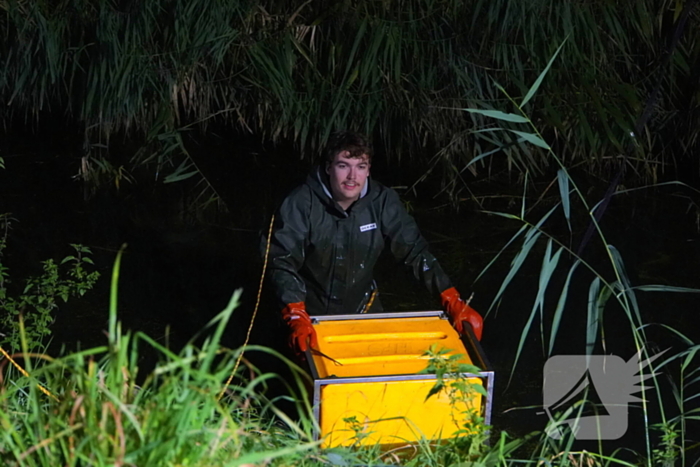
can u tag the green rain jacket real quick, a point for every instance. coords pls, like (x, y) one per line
(324, 256)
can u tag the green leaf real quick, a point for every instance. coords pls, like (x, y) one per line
(506, 215)
(531, 138)
(481, 156)
(556, 320)
(181, 173)
(521, 344)
(527, 245)
(517, 263)
(522, 206)
(498, 115)
(337, 459)
(665, 288)
(689, 358)
(434, 390)
(538, 81)
(629, 299)
(549, 265)
(467, 368)
(592, 316)
(563, 178)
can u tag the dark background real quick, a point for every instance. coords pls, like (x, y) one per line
(181, 265)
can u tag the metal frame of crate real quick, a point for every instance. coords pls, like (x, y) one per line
(471, 344)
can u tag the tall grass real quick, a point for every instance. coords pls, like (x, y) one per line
(296, 71)
(99, 408)
(108, 412)
(671, 399)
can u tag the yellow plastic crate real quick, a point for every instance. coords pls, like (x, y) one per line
(367, 386)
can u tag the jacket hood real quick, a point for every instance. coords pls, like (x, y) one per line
(319, 182)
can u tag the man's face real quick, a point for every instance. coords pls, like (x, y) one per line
(347, 177)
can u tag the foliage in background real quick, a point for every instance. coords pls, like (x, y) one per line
(38, 299)
(297, 70)
(609, 287)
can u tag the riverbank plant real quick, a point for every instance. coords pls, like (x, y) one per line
(103, 409)
(37, 298)
(98, 408)
(472, 438)
(669, 399)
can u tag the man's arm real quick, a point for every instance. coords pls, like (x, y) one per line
(287, 247)
(286, 257)
(408, 245)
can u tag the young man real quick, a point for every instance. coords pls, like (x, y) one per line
(328, 234)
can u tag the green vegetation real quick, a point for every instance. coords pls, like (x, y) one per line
(294, 71)
(610, 291)
(297, 72)
(40, 296)
(100, 416)
(107, 412)
(472, 440)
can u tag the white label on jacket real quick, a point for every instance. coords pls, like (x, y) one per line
(366, 227)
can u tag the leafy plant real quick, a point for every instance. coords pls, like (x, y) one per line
(668, 451)
(450, 370)
(358, 428)
(40, 296)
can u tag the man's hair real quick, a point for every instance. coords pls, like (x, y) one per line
(355, 143)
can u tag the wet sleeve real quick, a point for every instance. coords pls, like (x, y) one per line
(409, 247)
(287, 247)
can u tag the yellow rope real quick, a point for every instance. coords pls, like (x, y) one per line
(371, 300)
(23, 371)
(255, 311)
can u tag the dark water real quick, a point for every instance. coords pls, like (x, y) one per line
(181, 267)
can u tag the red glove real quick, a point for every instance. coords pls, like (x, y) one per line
(303, 331)
(459, 311)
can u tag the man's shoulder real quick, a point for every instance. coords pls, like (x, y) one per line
(383, 192)
(299, 199)
(300, 192)
(306, 194)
